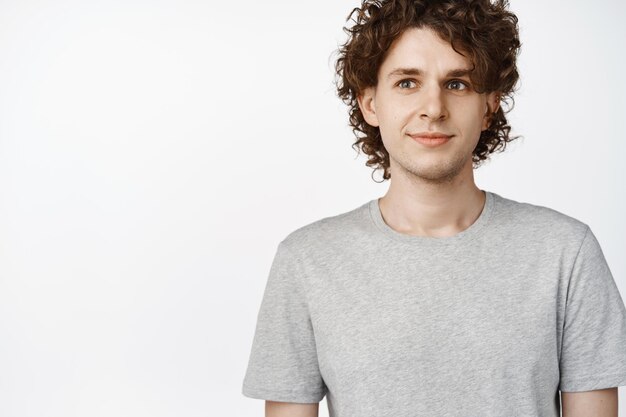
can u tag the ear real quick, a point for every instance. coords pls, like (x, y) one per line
(493, 104)
(367, 104)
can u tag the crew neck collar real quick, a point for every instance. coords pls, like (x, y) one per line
(474, 230)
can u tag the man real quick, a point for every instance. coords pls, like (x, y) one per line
(438, 299)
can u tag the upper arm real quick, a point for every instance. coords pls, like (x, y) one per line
(282, 409)
(597, 403)
(593, 338)
(283, 365)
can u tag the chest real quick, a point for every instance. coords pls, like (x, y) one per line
(438, 323)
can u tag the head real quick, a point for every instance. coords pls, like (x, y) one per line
(412, 66)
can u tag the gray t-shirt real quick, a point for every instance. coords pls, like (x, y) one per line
(491, 322)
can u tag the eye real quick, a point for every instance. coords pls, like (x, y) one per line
(403, 82)
(461, 85)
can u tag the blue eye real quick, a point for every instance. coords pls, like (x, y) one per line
(461, 83)
(400, 83)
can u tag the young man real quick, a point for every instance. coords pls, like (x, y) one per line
(438, 299)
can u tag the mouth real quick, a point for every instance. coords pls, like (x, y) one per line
(431, 139)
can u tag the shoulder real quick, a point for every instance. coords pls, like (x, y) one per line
(539, 221)
(329, 233)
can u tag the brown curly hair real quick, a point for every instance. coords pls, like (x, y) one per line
(485, 32)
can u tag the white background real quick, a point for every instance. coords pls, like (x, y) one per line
(154, 153)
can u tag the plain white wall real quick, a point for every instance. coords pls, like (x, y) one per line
(154, 153)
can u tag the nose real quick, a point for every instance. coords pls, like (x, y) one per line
(432, 105)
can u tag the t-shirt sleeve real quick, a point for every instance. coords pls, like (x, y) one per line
(593, 352)
(283, 364)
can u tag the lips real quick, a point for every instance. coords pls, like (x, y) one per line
(430, 135)
(431, 139)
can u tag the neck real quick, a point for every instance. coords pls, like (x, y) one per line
(424, 207)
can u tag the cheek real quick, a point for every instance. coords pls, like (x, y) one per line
(393, 116)
(471, 118)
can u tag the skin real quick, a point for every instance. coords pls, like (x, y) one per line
(281, 409)
(432, 190)
(597, 403)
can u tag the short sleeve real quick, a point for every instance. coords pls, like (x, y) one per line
(283, 364)
(593, 351)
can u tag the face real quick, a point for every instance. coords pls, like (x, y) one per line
(424, 86)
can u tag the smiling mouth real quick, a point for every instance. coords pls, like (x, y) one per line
(432, 139)
(430, 135)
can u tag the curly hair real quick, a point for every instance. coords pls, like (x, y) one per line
(485, 32)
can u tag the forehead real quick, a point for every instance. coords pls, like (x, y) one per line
(423, 48)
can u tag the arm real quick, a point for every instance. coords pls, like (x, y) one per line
(597, 403)
(280, 409)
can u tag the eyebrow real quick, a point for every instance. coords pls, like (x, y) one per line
(458, 72)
